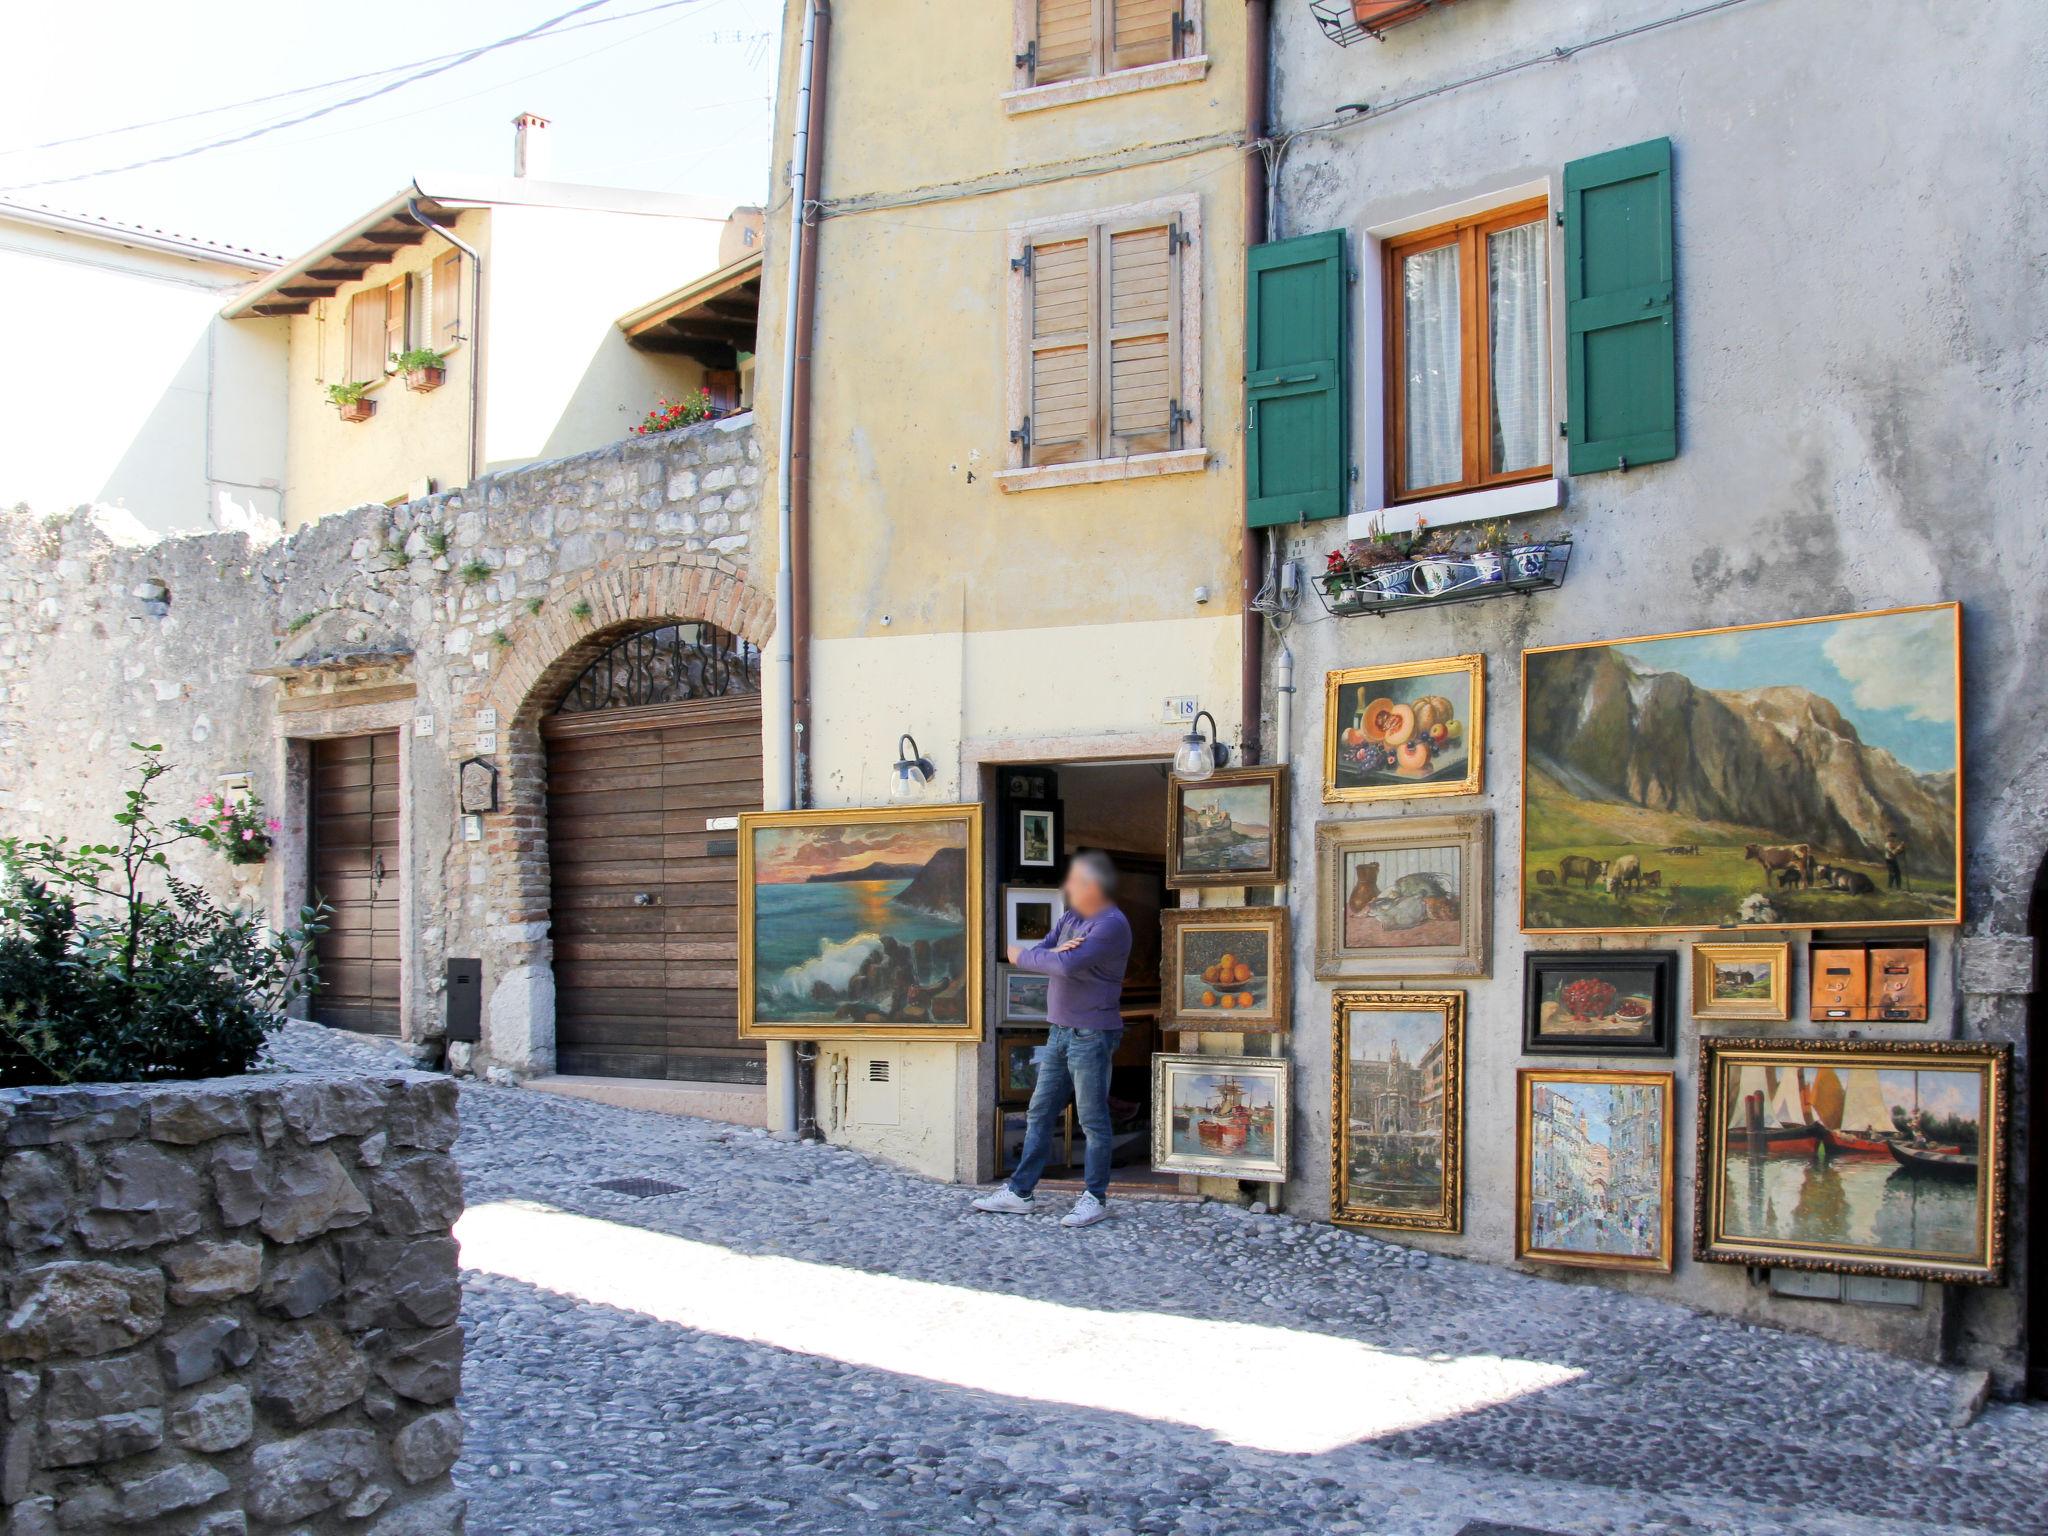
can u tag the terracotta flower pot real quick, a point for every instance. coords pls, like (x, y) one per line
(358, 410)
(422, 380)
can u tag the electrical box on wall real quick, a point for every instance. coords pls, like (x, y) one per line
(874, 1098)
(465, 1001)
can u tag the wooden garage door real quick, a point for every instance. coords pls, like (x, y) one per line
(645, 901)
(355, 871)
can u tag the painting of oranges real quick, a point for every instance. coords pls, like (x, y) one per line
(1414, 728)
(1225, 968)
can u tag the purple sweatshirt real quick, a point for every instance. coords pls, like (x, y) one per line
(1086, 983)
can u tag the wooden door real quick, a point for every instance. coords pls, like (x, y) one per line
(354, 863)
(645, 901)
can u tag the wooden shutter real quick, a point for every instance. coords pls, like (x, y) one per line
(1297, 419)
(1062, 40)
(1060, 361)
(447, 299)
(1621, 359)
(366, 336)
(1143, 32)
(1141, 351)
(397, 317)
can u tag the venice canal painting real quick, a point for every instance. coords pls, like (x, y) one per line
(1596, 1175)
(1782, 775)
(1398, 1108)
(862, 923)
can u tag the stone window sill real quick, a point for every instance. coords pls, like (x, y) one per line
(1138, 466)
(1066, 93)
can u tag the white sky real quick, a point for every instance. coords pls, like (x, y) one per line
(676, 100)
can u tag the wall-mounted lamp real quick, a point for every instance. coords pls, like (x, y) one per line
(1197, 759)
(913, 773)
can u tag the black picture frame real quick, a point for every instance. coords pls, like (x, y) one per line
(1015, 870)
(1027, 783)
(1649, 972)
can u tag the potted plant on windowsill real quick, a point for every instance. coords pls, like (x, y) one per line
(670, 414)
(353, 400)
(423, 367)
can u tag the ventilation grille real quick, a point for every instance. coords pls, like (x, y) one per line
(878, 1069)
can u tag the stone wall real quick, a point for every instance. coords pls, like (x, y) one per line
(231, 1307)
(455, 620)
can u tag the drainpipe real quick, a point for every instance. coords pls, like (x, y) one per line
(1250, 564)
(476, 318)
(1283, 705)
(813, 106)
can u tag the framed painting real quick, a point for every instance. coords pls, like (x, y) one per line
(1413, 728)
(1405, 896)
(1029, 911)
(1798, 774)
(1742, 981)
(1032, 840)
(1020, 996)
(1600, 1002)
(1009, 1127)
(1224, 968)
(1864, 1158)
(1593, 1172)
(1397, 1150)
(1224, 1116)
(1227, 829)
(1017, 1064)
(861, 923)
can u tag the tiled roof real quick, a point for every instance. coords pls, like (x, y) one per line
(198, 245)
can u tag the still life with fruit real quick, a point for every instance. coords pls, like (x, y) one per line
(1227, 967)
(1403, 730)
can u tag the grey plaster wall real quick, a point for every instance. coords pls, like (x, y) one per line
(1860, 332)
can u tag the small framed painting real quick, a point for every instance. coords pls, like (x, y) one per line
(1020, 996)
(1404, 896)
(1029, 911)
(1010, 1126)
(1593, 1173)
(1396, 732)
(1228, 829)
(1397, 1142)
(1224, 1116)
(1599, 1002)
(1032, 840)
(1030, 783)
(1225, 968)
(1742, 981)
(1017, 1064)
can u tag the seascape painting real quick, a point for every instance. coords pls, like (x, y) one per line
(1228, 829)
(1595, 1186)
(1223, 1116)
(861, 922)
(1226, 968)
(1393, 732)
(1775, 776)
(1395, 896)
(1398, 1095)
(1876, 1157)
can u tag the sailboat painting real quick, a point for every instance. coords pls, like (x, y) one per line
(1220, 1115)
(1867, 1158)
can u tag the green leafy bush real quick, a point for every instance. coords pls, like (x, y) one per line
(414, 359)
(349, 393)
(112, 969)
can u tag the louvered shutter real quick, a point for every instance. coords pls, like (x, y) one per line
(1621, 361)
(1062, 40)
(366, 336)
(1143, 32)
(1060, 359)
(397, 317)
(1297, 421)
(447, 297)
(1141, 299)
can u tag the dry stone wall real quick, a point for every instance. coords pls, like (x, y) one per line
(231, 1307)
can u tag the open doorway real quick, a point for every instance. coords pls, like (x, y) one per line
(1044, 814)
(2037, 1143)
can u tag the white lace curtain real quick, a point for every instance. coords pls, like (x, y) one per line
(1517, 312)
(1433, 351)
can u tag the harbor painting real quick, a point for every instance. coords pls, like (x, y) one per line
(1594, 1180)
(1221, 1116)
(1398, 1109)
(1228, 829)
(1396, 897)
(1414, 728)
(1871, 1158)
(1226, 968)
(862, 923)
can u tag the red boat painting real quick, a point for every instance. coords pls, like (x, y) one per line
(1226, 1124)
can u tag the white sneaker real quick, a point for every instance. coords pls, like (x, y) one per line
(1005, 1201)
(1086, 1212)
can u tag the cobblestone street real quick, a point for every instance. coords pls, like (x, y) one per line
(802, 1340)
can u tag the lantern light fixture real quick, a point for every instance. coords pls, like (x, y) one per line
(912, 774)
(1198, 758)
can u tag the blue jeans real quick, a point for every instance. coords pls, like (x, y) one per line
(1076, 1062)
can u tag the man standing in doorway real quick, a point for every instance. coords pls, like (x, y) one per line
(1084, 958)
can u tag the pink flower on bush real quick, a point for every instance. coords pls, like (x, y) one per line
(273, 826)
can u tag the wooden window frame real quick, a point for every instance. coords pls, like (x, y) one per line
(455, 336)
(1469, 235)
(1191, 453)
(1191, 63)
(398, 318)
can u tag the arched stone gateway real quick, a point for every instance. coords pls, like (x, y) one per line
(590, 977)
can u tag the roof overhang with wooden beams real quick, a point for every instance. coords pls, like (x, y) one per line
(711, 321)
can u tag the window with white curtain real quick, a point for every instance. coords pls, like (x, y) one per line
(1468, 386)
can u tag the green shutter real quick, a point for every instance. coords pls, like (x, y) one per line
(1621, 300)
(1296, 460)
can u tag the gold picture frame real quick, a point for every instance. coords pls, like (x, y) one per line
(1774, 1003)
(1391, 877)
(1594, 860)
(1553, 1203)
(1903, 1144)
(1247, 1104)
(1445, 730)
(1197, 941)
(1206, 840)
(941, 873)
(1397, 1143)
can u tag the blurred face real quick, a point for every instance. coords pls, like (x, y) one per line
(1082, 893)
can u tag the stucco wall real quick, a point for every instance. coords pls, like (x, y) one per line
(1858, 320)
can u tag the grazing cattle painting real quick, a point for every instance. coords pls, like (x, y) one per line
(1806, 772)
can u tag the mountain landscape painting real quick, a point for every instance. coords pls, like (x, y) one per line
(861, 923)
(1771, 776)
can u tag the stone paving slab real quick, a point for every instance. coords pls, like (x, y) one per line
(1513, 1399)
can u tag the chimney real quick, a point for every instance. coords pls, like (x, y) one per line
(530, 146)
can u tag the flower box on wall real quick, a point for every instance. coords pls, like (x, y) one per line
(425, 380)
(357, 410)
(1346, 21)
